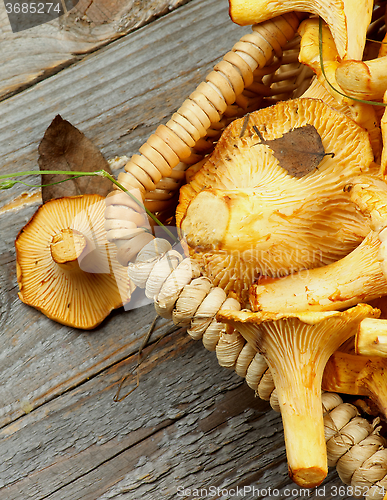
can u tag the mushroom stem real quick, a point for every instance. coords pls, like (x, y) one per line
(373, 379)
(66, 247)
(341, 373)
(357, 375)
(336, 286)
(297, 348)
(371, 339)
(306, 450)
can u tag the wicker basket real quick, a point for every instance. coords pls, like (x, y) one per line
(261, 69)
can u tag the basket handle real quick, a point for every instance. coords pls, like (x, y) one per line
(172, 143)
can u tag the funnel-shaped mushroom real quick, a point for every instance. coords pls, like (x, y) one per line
(348, 20)
(66, 268)
(297, 348)
(361, 276)
(269, 204)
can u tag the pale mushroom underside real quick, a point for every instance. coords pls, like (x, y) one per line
(244, 216)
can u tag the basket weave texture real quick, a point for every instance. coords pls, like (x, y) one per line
(261, 69)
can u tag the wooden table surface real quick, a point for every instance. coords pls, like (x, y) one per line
(190, 424)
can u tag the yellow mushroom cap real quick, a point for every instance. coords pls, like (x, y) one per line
(348, 20)
(244, 216)
(66, 268)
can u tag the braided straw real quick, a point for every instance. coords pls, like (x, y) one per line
(354, 445)
(179, 292)
(171, 143)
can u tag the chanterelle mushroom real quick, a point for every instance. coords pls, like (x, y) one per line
(360, 276)
(297, 348)
(245, 215)
(348, 20)
(358, 375)
(66, 268)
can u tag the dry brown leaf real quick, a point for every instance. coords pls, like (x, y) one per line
(64, 147)
(298, 151)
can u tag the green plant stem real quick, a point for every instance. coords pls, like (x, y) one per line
(103, 173)
(48, 172)
(320, 47)
(99, 173)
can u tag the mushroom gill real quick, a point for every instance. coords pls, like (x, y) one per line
(66, 267)
(244, 215)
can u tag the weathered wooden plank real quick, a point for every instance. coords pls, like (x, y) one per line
(119, 95)
(41, 359)
(127, 83)
(31, 55)
(74, 440)
(188, 425)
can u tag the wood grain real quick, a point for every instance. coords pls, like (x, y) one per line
(27, 57)
(182, 428)
(123, 91)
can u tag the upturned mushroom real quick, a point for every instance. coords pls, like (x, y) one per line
(361, 276)
(363, 114)
(277, 210)
(66, 268)
(297, 347)
(348, 20)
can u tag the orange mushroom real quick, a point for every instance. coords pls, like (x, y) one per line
(66, 268)
(273, 219)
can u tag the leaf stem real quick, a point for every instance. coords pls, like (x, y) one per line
(74, 175)
(43, 172)
(320, 47)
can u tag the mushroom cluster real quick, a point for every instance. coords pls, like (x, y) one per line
(285, 315)
(284, 227)
(286, 220)
(272, 219)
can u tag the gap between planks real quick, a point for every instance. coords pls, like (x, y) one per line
(47, 49)
(83, 401)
